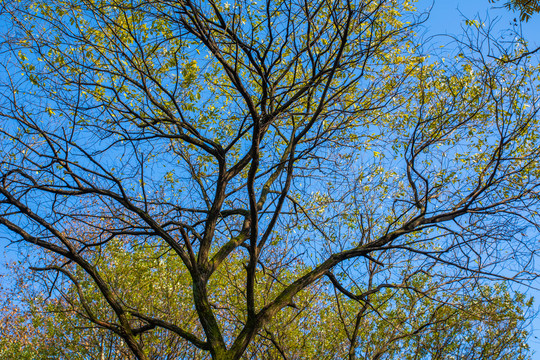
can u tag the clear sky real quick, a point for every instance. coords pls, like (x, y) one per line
(447, 17)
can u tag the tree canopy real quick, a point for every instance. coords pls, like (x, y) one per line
(525, 8)
(265, 179)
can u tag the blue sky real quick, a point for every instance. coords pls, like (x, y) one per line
(447, 17)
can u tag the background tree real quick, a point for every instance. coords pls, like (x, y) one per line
(526, 8)
(402, 323)
(270, 158)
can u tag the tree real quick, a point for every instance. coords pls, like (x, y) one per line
(487, 324)
(268, 157)
(526, 8)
